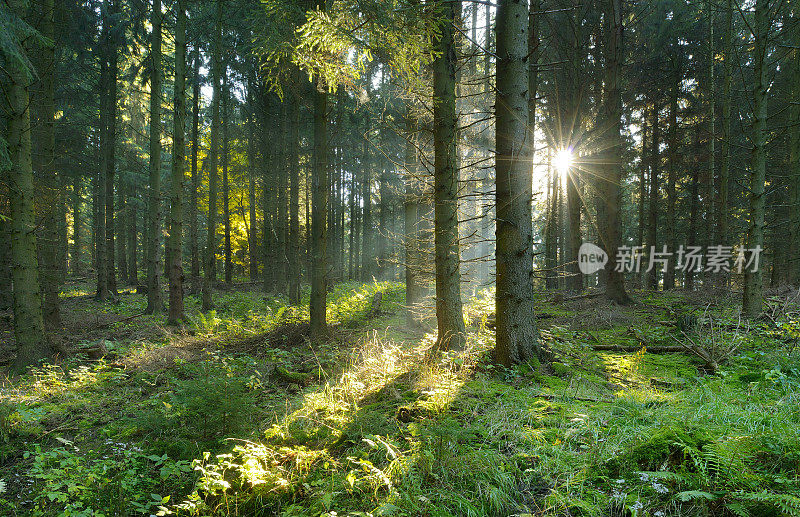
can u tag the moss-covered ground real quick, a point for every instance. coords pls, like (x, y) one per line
(239, 413)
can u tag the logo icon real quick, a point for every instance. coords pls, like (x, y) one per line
(591, 258)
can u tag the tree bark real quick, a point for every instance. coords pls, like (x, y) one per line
(672, 173)
(611, 169)
(319, 213)
(31, 341)
(176, 311)
(295, 269)
(43, 158)
(153, 247)
(226, 194)
(753, 280)
(652, 213)
(193, 244)
(211, 247)
(449, 315)
(517, 335)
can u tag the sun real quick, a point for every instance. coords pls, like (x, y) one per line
(563, 160)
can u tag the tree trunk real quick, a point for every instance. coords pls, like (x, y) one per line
(694, 209)
(133, 269)
(176, 313)
(226, 193)
(517, 335)
(31, 341)
(753, 282)
(723, 235)
(449, 315)
(76, 261)
(110, 157)
(282, 222)
(319, 212)
(193, 245)
(210, 252)
(295, 270)
(368, 253)
(672, 173)
(414, 191)
(652, 213)
(252, 241)
(43, 158)
(99, 191)
(611, 169)
(153, 247)
(794, 161)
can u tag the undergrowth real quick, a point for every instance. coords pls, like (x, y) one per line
(365, 425)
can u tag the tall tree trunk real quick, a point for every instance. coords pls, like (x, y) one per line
(252, 241)
(517, 335)
(295, 270)
(414, 191)
(110, 158)
(551, 258)
(652, 213)
(753, 281)
(210, 252)
(122, 238)
(76, 261)
(153, 247)
(641, 227)
(794, 161)
(31, 341)
(694, 209)
(176, 313)
(43, 158)
(449, 315)
(723, 234)
(133, 269)
(611, 169)
(282, 206)
(672, 173)
(99, 191)
(193, 245)
(368, 253)
(226, 193)
(319, 212)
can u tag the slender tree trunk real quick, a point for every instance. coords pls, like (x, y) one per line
(319, 212)
(153, 248)
(694, 209)
(652, 213)
(449, 315)
(176, 313)
(368, 253)
(110, 159)
(226, 193)
(31, 341)
(725, 151)
(517, 335)
(641, 227)
(193, 245)
(753, 281)
(76, 261)
(551, 259)
(99, 245)
(295, 270)
(281, 214)
(122, 238)
(414, 191)
(210, 252)
(252, 241)
(133, 269)
(672, 173)
(611, 169)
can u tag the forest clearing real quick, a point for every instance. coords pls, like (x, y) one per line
(400, 257)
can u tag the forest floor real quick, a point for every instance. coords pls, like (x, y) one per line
(670, 406)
